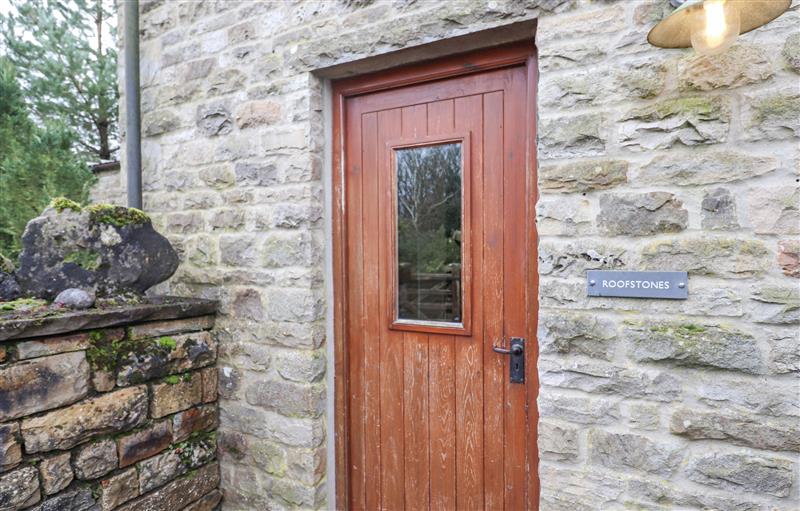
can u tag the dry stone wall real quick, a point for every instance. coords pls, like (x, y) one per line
(116, 418)
(648, 159)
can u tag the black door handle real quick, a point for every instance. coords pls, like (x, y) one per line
(516, 367)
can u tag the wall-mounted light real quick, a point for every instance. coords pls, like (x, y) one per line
(712, 26)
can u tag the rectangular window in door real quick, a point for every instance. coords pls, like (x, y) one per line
(430, 211)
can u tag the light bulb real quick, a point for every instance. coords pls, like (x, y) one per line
(715, 26)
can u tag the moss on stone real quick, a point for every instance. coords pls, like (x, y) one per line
(22, 304)
(103, 353)
(86, 259)
(167, 343)
(780, 106)
(686, 107)
(62, 203)
(173, 379)
(117, 216)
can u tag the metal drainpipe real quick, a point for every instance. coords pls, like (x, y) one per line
(133, 113)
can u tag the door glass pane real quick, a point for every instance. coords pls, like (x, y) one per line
(429, 181)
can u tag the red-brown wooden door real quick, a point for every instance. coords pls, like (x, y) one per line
(430, 418)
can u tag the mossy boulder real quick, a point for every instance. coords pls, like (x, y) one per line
(108, 250)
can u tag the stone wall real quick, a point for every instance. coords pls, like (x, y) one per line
(119, 417)
(649, 159)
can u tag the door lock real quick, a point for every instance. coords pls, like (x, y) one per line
(516, 353)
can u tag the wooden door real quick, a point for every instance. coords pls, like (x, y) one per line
(436, 266)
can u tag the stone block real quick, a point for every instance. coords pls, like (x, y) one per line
(748, 430)
(751, 473)
(564, 216)
(61, 344)
(580, 410)
(144, 443)
(644, 416)
(258, 113)
(43, 383)
(756, 396)
(605, 20)
(10, 448)
(621, 451)
(688, 121)
(210, 376)
(238, 250)
(603, 378)
(169, 397)
(179, 493)
(118, 489)
(291, 431)
(256, 174)
(717, 257)
(227, 220)
(774, 210)
(791, 52)
(558, 442)
(569, 53)
(214, 120)
(703, 168)
(584, 176)
(642, 214)
(19, 489)
(56, 473)
(572, 136)
(217, 176)
(207, 503)
(719, 210)
(155, 358)
(95, 459)
(777, 305)
(575, 258)
(283, 249)
(193, 420)
(295, 215)
(742, 64)
(773, 116)
(177, 461)
(302, 366)
(78, 499)
(789, 257)
(247, 305)
(65, 428)
(573, 333)
(688, 344)
(295, 305)
(159, 122)
(784, 352)
(287, 398)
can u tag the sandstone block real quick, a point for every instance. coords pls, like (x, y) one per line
(644, 416)
(62, 344)
(789, 257)
(295, 215)
(300, 365)
(569, 53)
(206, 503)
(565, 216)
(238, 250)
(210, 376)
(641, 214)
(167, 355)
(10, 448)
(758, 397)
(740, 65)
(585, 176)
(584, 334)
(214, 120)
(169, 397)
(247, 305)
(171, 327)
(95, 460)
(294, 305)
(78, 499)
(118, 489)
(42, 384)
(291, 249)
(756, 474)
(791, 52)
(784, 352)
(19, 489)
(581, 23)
(773, 115)
(775, 304)
(227, 220)
(56, 473)
(258, 113)
(774, 210)
(287, 398)
(63, 429)
(193, 420)
(144, 443)
(217, 176)
(256, 174)
(291, 431)
(558, 442)
(703, 168)
(686, 121)
(602, 378)
(620, 451)
(571, 137)
(160, 469)
(580, 410)
(103, 381)
(159, 122)
(719, 210)
(688, 344)
(748, 430)
(575, 258)
(722, 257)
(179, 493)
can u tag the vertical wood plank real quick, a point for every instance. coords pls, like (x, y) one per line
(355, 290)
(441, 380)
(392, 447)
(415, 368)
(495, 365)
(469, 353)
(372, 316)
(515, 268)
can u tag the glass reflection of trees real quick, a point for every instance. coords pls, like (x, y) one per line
(429, 232)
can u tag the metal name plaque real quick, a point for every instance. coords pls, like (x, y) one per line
(672, 285)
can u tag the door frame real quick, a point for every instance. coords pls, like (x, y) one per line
(508, 55)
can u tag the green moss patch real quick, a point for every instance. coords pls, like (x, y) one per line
(86, 259)
(117, 216)
(21, 304)
(62, 203)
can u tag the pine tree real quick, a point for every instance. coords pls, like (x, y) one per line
(67, 66)
(37, 163)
